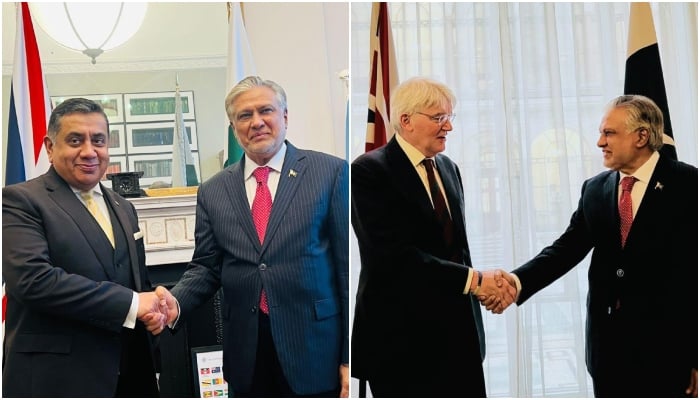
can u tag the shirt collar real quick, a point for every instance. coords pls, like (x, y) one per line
(97, 189)
(643, 173)
(413, 154)
(275, 162)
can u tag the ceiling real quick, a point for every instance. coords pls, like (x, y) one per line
(173, 36)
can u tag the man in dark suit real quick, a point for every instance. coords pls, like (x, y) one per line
(72, 286)
(285, 282)
(417, 330)
(642, 309)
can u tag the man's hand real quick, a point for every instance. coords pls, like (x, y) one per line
(163, 309)
(497, 290)
(171, 308)
(692, 389)
(151, 312)
(344, 380)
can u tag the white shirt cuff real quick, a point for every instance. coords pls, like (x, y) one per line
(130, 321)
(171, 326)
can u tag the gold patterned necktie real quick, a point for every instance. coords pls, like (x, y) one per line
(104, 223)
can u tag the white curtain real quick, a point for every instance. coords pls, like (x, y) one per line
(531, 81)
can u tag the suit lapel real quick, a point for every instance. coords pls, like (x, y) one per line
(609, 211)
(125, 226)
(63, 196)
(291, 177)
(407, 180)
(235, 189)
(450, 182)
(651, 208)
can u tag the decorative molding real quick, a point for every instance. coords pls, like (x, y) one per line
(167, 224)
(72, 67)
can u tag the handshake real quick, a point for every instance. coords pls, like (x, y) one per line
(497, 290)
(157, 309)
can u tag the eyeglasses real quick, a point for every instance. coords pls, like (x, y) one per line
(440, 119)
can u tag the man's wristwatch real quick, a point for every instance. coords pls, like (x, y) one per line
(478, 282)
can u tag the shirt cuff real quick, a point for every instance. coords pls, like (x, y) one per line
(174, 324)
(469, 281)
(518, 286)
(130, 321)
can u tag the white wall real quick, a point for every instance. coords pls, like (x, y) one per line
(301, 46)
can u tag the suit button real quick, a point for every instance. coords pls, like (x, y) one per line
(252, 310)
(620, 273)
(262, 267)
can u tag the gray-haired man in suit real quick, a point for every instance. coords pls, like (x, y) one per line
(635, 345)
(285, 308)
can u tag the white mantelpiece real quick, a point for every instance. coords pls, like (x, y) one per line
(167, 223)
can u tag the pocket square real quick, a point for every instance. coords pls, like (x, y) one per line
(138, 235)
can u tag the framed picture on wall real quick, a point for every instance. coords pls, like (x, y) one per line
(157, 167)
(160, 106)
(157, 137)
(111, 103)
(117, 141)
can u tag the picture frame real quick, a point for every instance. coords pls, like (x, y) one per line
(157, 137)
(207, 370)
(113, 104)
(158, 106)
(157, 167)
(117, 140)
(116, 164)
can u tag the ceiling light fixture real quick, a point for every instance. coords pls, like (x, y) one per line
(91, 28)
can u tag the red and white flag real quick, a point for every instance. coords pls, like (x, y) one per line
(383, 77)
(30, 109)
(30, 106)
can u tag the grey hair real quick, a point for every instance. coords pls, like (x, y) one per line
(642, 113)
(248, 83)
(72, 106)
(416, 94)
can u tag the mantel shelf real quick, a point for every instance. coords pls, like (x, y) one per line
(167, 223)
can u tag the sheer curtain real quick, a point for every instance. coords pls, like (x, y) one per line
(531, 81)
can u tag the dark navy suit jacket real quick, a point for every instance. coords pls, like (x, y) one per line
(302, 264)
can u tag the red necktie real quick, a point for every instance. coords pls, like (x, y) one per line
(441, 212)
(262, 205)
(625, 207)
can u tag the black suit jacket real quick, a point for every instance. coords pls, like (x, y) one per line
(411, 316)
(654, 334)
(64, 315)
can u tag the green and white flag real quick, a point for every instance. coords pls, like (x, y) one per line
(239, 65)
(184, 172)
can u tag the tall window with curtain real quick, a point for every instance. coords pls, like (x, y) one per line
(531, 81)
